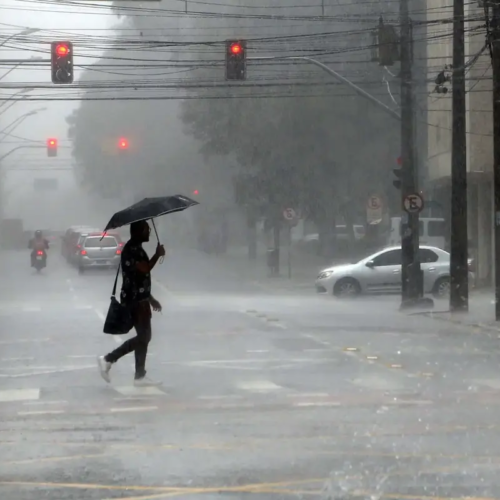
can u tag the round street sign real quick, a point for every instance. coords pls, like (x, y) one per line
(289, 214)
(413, 203)
(374, 203)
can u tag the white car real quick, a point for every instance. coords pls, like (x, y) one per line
(381, 273)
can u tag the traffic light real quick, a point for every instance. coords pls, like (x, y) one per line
(122, 143)
(236, 59)
(196, 192)
(388, 45)
(51, 147)
(62, 62)
(397, 183)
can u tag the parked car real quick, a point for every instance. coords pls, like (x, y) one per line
(381, 273)
(98, 250)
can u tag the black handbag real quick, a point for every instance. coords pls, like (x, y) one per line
(119, 318)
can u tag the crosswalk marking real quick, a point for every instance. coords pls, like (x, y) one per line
(139, 391)
(259, 386)
(19, 395)
(16, 307)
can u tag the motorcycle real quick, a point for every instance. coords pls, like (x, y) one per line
(40, 260)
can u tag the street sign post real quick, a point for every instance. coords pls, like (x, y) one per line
(291, 217)
(413, 203)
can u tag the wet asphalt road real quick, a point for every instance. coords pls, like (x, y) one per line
(269, 395)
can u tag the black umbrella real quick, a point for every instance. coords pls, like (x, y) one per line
(149, 208)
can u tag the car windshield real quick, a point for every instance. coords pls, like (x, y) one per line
(96, 242)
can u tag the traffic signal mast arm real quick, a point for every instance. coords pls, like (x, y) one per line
(337, 76)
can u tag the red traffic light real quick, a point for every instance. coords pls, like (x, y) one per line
(52, 143)
(195, 192)
(62, 49)
(235, 48)
(123, 143)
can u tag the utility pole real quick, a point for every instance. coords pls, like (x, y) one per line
(495, 42)
(459, 272)
(410, 266)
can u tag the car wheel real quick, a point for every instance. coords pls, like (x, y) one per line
(347, 287)
(441, 288)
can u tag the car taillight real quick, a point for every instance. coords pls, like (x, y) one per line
(120, 244)
(39, 252)
(118, 252)
(83, 252)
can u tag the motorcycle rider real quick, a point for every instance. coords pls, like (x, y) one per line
(38, 243)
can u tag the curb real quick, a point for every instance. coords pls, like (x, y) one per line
(482, 326)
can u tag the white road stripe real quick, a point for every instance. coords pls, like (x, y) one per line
(134, 408)
(43, 403)
(259, 386)
(316, 403)
(215, 398)
(16, 359)
(10, 395)
(309, 395)
(100, 314)
(19, 341)
(41, 412)
(132, 390)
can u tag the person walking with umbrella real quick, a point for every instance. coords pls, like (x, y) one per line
(136, 295)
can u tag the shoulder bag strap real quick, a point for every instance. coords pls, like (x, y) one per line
(113, 293)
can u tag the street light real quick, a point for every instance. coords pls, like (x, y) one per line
(18, 121)
(12, 101)
(6, 101)
(32, 58)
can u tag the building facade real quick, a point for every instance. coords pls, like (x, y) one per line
(479, 123)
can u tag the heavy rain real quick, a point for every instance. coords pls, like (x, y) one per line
(247, 249)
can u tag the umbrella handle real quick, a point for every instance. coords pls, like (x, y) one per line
(157, 238)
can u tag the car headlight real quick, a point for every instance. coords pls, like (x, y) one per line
(325, 274)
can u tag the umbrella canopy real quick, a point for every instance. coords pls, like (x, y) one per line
(149, 208)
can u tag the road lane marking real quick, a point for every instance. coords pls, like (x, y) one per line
(259, 386)
(43, 403)
(131, 390)
(215, 398)
(309, 395)
(10, 395)
(46, 372)
(40, 412)
(20, 341)
(100, 314)
(306, 404)
(17, 359)
(133, 409)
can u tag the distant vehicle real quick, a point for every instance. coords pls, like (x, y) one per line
(70, 240)
(40, 260)
(381, 273)
(96, 251)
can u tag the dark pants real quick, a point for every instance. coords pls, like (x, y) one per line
(141, 314)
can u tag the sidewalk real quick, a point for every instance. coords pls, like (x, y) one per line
(304, 268)
(481, 312)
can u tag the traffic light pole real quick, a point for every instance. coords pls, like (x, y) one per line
(459, 272)
(495, 39)
(410, 265)
(337, 76)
